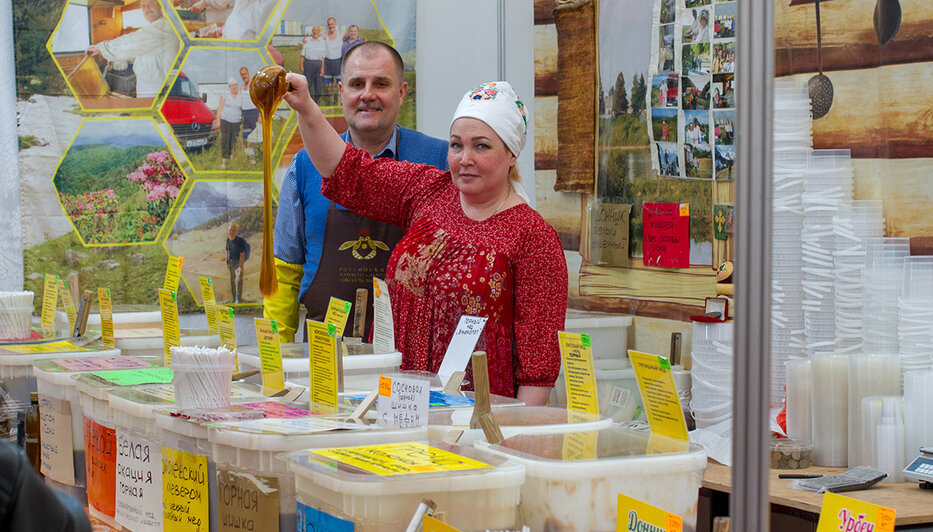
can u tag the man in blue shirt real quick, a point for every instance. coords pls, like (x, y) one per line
(312, 256)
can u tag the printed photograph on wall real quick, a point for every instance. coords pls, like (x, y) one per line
(695, 92)
(696, 26)
(228, 20)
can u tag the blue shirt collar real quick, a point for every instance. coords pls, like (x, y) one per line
(388, 150)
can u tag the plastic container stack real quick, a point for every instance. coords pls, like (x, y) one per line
(711, 374)
(918, 411)
(853, 225)
(793, 142)
(869, 375)
(830, 414)
(882, 278)
(871, 417)
(915, 314)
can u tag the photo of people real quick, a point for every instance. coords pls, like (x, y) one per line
(696, 127)
(664, 125)
(723, 91)
(668, 160)
(724, 25)
(725, 160)
(698, 161)
(122, 59)
(231, 20)
(668, 11)
(118, 181)
(219, 233)
(695, 92)
(694, 3)
(724, 58)
(695, 59)
(664, 90)
(696, 25)
(724, 127)
(213, 87)
(666, 47)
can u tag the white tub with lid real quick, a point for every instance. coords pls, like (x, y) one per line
(572, 480)
(608, 332)
(338, 495)
(150, 341)
(360, 371)
(244, 453)
(616, 389)
(444, 423)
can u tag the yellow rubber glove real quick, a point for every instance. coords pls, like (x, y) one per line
(283, 306)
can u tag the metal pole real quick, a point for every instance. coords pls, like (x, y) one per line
(754, 80)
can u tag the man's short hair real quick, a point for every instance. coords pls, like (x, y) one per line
(370, 49)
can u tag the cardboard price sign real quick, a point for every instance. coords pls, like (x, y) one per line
(100, 463)
(106, 317)
(608, 237)
(210, 306)
(659, 395)
(171, 332)
(49, 304)
(270, 355)
(666, 234)
(185, 494)
(849, 515)
(173, 273)
(579, 376)
(322, 358)
(405, 406)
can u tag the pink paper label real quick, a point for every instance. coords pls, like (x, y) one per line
(104, 363)
(666, 235)
(277, 410)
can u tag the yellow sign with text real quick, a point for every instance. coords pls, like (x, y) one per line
(407, 458)
(227, 329)
(579, 375)
(430, 524)
(210, 306)
(322, 357)
(67, 303)
(270, 356)
(845, 513)
(173, 273)
(171, 333)
(49, 304)
(338, 312)
(632, 514)
(106, 317)
(659, 395)
(185, 491)
(61, 346)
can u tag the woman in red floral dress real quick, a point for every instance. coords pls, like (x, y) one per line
(472, 245)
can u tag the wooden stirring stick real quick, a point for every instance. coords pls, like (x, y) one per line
(480, 388)
(359, 312)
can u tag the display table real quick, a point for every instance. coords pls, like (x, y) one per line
(799, 511)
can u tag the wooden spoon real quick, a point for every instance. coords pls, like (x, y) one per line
(266, 89)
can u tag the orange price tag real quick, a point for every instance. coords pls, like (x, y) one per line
(376, 290)
(685, 209)
(675, 522)
(385, 386)
(885, 518)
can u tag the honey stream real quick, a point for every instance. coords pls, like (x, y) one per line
(267, 89)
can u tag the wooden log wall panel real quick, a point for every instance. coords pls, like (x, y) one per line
(576, 115)
(546, 133)
(849, 39)
(905, 187)
(545, 60)
(691, 286)
(886, 114)
(544, 11)
(561, 209)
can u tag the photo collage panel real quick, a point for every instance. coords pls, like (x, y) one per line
(692, 95)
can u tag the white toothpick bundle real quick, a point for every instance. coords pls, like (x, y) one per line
(202, 376)
(15, 314)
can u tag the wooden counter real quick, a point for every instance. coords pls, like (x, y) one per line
(913, 506)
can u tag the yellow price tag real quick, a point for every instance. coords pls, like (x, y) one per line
(106, 317)
(185, 488)
(322, 357)
(407, 458)
(61, 346)
(210, 306)
(632, 514)
(845, 513)
(579, 375)
(659, 395)
(173, 273)
(171, 333)
(685, 209)
(430, 524)
(270, 355)
(227, 329)
(67, 303)
(338, 311)
(49, 304)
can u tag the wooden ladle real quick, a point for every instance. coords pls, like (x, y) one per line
(266, 89)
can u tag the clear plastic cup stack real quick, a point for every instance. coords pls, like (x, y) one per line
(882, 279)
(915, 314)
(852, 226)
(711, 374)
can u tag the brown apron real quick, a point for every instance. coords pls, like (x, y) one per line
(355, 250)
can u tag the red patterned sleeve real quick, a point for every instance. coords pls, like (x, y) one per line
(540, 304)
(382, 189)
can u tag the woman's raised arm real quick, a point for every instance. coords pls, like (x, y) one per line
(324, 146)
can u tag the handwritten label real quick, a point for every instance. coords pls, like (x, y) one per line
(106, 317)
(313, 519)
(227, 329)
(609, 234)
(407, 404)
(171, 332)
(461, 346)
(430, 524)
(56, 439)
(272, 409)
(579, 375)
(322, 358)
(135, 377)
(49, 304)
(62, 346)
(635, 515)
(407, 458)
(338, 312)
(383, 326)
(666, 235)
(659, 395)
(102, 363)
(173, 273)
(139, 482)
(185, 500)
(100, 464)
(67, 303)
(270, 355)
(210, 306)
(247, 502)
(852, 515)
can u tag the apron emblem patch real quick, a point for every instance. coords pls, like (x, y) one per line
(364, 247)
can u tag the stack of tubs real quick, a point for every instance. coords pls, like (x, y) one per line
(151, 341)
(711, 374)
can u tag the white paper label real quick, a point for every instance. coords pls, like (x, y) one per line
(139, 482)
(383, 328)
(461, 346)
(407, 406)
(57, 444)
